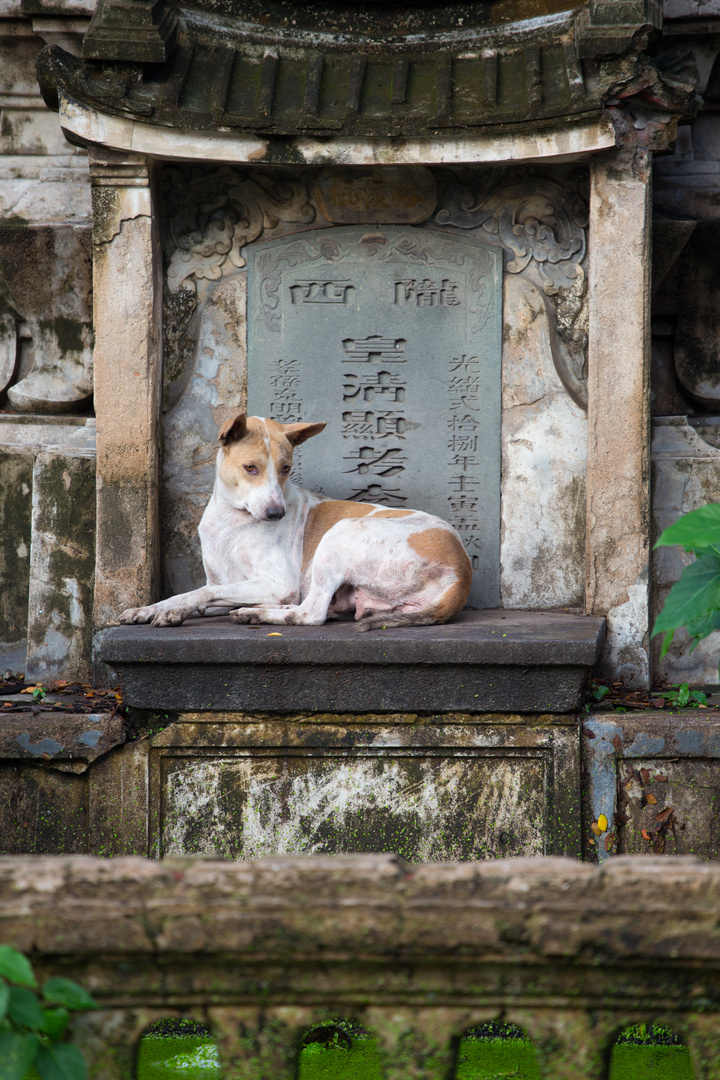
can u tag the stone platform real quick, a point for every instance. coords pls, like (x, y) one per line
(484, 661)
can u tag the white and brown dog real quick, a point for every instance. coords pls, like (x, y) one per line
(276, 553)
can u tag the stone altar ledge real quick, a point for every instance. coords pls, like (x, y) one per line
(484, 661)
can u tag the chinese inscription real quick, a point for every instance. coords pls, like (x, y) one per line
(394, 339)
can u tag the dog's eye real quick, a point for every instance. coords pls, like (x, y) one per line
(285, 470)
(251, 469)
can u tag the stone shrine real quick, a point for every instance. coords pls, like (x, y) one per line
(429, 225)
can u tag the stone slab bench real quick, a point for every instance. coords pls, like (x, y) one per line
(484, 661)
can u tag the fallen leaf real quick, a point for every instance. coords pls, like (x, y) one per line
(645, 774)
(591, 840)
(660, 778)
(602, 823)
(610, 841)
(628, 786)
(588, 733)
(275, 634)
(617, 743)
(29, 689)
(598, 832)
(659, 844)
(650, 799)
(664, 814)
(645, 835)
(620, 819)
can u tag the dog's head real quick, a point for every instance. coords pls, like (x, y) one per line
(254, 462)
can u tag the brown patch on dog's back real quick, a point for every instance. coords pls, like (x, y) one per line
(440, 546)
(394, 513)
(322, 518)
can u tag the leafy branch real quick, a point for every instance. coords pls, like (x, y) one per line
(33, 1024)
(694, 600)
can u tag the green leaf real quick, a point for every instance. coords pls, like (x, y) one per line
(667, 642)
(17, 1053)
(600, 692)
(68, 993)
(694, 531)
(16, 967)
(695, 595)
(4, 999)
(683, 694)
(700, 628)
(56, 1020)
(697, 695)
(24, 1008)
(61, 1062)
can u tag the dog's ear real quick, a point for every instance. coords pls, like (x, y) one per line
(299, 433)
(233, 430)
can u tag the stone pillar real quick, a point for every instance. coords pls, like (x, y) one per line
(127, 309)
(618, 473)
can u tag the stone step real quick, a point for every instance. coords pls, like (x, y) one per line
(484, 661)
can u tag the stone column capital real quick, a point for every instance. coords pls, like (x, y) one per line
(118, 168)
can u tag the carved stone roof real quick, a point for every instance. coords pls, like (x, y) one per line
(360, 69)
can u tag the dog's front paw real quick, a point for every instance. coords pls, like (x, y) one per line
(250, 615)
(138, 614)
(172, 616)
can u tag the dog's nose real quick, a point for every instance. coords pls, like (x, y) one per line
(276, 514)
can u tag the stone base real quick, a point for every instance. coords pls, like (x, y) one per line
(506, 661)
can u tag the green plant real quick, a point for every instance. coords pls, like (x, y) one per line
(33, 1024)
(694, 600)
(682, 696)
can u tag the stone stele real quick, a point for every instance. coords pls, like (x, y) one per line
(394, 338)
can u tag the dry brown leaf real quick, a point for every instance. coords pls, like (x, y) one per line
(645, 773)
(659, 844)
(588, 733)
(660, 778)
(598, 832)
(610, 841)
(591, 840)
(645, 835)
(617, 743)
(628, 786)
(664, 814)
(651, 800)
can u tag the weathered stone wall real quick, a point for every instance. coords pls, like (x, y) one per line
(262, 951)
(47, 493)
(47, 475)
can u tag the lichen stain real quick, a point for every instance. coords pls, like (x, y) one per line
(431, 809)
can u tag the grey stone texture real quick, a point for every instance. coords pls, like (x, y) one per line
(493, 660)
(417, 954)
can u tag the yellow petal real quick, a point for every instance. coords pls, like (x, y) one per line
(274, 634)
(602, 823)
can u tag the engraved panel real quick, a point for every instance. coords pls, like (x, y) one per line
(395, 340)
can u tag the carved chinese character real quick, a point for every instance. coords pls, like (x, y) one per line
(461, 423)
(463, 443)
(375, 348)
(286, 412)
(427, 293)
(469, 364)
(383, 384)
(322, 292)
(380, 462)
(465, 461)
(375, 493)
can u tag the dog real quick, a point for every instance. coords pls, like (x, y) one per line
(277, 553)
